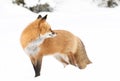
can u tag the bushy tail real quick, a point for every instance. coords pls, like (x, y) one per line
(81, 55)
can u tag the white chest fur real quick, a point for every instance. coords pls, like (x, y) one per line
(33, 47)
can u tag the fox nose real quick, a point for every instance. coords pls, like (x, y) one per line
(53, 32)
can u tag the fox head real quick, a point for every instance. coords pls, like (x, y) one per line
(44, 28)
(37, 29)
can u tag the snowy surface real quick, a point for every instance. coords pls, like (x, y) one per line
(99, 28)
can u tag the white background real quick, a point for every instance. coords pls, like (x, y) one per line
(99, 29)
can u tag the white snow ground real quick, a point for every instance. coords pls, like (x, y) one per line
(97, 27)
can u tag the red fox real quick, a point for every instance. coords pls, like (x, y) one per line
(38, 40)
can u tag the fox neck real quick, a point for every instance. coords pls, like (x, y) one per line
(34, 47)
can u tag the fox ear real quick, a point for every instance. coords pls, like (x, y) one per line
(45, 17)
(39, 17)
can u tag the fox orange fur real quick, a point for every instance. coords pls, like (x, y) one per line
(38, 40)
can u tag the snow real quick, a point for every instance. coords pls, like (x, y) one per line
(97, 27)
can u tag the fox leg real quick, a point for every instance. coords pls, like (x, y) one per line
(65, 63)
(62, 58)
(36, 65)
(72, 59)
